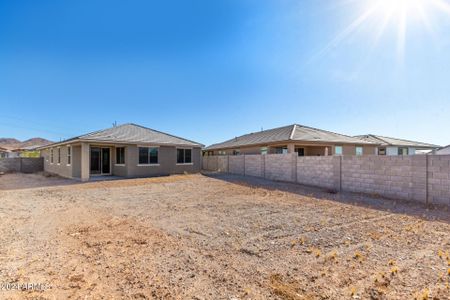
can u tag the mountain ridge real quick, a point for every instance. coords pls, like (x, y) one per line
(15, 143)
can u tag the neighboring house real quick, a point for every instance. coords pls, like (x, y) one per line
(443, 151)
(29, 151)
(4, 153)
(127, 150)
(394, 146)
(305, 141)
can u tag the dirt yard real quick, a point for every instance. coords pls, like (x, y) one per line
(215, 237)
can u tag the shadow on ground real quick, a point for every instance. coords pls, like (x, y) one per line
(427, 212)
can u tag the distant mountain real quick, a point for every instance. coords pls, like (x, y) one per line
(8, 141)
(14, 143)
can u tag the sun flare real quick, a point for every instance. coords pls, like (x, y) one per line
(382, 16)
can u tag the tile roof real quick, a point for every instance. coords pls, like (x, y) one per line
(293, 132)
(389, 141)
(133, 134)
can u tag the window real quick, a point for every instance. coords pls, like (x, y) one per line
(359, 150)
(264, 150)
(236, 152)
(184, 156)
(69, 155)
(338, 150)
(148, 156)
(382, 151)
(59, 155)
(281, 150)
(51, 155)
(300, 151)
(403, 151)
(120, 156)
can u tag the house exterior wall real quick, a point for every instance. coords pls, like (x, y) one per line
(62, 169)
(167, 158)
(391, 151)
(167, 162)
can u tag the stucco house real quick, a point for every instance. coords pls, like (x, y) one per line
(394, 146)
(127, 150)
(303, 140)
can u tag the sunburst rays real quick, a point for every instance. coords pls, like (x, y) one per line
(380, 16)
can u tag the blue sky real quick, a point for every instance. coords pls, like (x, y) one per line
(212, 70)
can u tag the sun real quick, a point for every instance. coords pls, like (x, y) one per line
(380, 16)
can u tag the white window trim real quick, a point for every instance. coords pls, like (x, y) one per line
(69, 164)
(185, 164)
(342, 152)
(148, 165)
(120, 165)
(52, 156)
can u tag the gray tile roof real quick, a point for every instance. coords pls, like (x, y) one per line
(293, 132)
(134, 134)
(389, 141)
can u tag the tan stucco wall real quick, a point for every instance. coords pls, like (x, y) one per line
(167, 157)
(61, 169)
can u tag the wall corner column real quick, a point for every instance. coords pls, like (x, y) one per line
(85, 162)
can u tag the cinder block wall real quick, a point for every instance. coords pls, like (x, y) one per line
(418, 178)
(280, 167)
(21, 164)
(236, 164)
(402, 177)
(439, 179)
(321, 171)
(222, 163)
(254, 165)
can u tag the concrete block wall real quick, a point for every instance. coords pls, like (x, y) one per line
(222, 163)
(280, 167)
(419, 178)
(321, 171)
(210, 163)
(439, 179)
(254, 165)
(21, 164)
(236, 164)
(401, 177)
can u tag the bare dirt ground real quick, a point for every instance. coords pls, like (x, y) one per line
(216, 237)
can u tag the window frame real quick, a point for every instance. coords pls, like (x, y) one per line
(59, 156)
(356, 150)
(123, 162)
(338, 147)
(184, 156)
(401, 149)
(52, 157)
(69, 155)
(149, 164)
(296, 150)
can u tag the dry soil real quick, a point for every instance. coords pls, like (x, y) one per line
(215, 237)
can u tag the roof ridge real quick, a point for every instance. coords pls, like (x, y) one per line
(327, 131)
(293, 131)
(381, 137)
